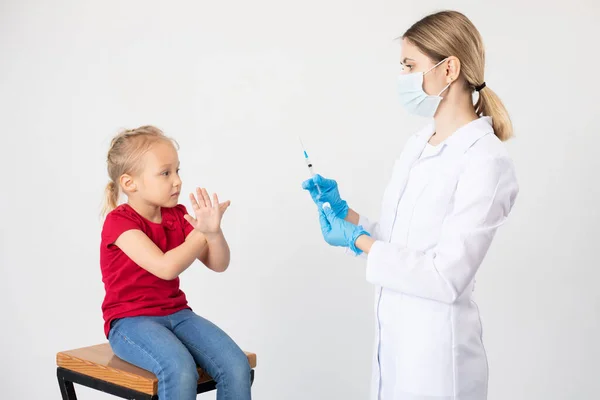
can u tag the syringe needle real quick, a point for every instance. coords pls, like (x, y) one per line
(308, 163)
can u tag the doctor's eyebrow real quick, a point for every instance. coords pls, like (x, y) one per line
(406, 59)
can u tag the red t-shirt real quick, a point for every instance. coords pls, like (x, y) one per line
(130, 289)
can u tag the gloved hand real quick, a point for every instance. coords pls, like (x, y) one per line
(339, 232)
(329, 194)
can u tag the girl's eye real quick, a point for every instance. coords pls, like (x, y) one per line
(178, 171)
(166, 173)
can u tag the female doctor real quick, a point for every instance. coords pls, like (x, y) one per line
(451, 188)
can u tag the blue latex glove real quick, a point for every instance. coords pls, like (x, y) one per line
(339, 232)
(329, 194)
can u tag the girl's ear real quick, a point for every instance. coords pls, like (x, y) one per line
(128, 183)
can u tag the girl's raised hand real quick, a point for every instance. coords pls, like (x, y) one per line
(208, 213)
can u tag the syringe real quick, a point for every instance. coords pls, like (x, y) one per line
(308, 163)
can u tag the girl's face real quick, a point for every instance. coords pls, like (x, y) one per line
(159, 184)
(412, 60)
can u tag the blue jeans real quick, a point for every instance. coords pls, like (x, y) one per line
(172, 346)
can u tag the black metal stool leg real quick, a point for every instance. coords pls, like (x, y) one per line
(66, 387)
(66, 379)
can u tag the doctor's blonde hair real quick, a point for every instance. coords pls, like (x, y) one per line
(124, 155)
(450, 33)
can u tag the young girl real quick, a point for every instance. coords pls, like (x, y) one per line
(451, 188)
(146, 243)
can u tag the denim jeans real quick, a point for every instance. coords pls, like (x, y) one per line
(172, 346)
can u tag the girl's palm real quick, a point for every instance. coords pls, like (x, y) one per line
(208, 213)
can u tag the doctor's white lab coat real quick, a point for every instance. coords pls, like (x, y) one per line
(438, 218)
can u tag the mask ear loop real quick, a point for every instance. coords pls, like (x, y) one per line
(435, 66)
(448, 85)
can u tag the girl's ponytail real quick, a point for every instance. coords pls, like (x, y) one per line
(111, 198)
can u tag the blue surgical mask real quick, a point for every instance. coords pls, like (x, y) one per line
(413, 97)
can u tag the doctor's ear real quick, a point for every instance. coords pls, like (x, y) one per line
(452, 69)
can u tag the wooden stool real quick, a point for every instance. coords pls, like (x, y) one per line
(98, 368)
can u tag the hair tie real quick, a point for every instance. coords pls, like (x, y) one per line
(478, 88)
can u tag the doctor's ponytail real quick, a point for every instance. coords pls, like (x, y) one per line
(450, 33)
(490, 104)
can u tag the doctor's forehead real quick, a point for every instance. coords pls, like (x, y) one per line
(411, 53)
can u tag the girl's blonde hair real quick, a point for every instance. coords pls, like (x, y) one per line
(124, 155)
(450, 33)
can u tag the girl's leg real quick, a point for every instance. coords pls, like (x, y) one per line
(216, 353)
(148, 343)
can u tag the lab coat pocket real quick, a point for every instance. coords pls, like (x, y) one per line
(424, 350)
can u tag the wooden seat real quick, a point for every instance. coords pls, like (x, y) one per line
(97, 366)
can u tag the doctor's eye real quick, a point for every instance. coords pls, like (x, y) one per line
(406, 67)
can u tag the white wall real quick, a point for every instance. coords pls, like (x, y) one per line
(235, 82)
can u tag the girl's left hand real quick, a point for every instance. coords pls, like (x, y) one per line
(208, 213)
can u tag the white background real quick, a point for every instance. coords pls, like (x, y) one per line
(235, 82)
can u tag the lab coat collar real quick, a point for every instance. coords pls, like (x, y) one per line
(461, 140)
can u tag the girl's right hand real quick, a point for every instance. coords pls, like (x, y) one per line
(208, 213)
